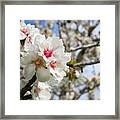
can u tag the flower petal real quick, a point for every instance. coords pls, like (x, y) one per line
(41, 91)
(22, 83)
(28, 57)
(29, 71)
(55, 43)
(38, 39)
(22, 35)
(58, 73)
(44, 95)
(43, 85)
(43, 74)
(26, 60)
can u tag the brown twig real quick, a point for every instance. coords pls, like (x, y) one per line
(84, 47)
(83, 64)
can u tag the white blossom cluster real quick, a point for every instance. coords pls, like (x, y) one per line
(42, 56)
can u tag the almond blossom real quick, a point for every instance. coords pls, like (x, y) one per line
(45, 57)
(33, 63)
(53, 52)
(41, 91)
(27, 33)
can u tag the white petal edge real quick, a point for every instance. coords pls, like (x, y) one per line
(29, 71)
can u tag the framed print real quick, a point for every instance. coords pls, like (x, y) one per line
(60, 59)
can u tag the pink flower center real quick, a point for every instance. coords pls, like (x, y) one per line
(53, 64)
(48, 53)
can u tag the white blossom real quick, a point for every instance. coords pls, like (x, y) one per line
(27, 32)
(44, 56)
(33, 63)
(41, 91)
(73, 26)
(53, 52)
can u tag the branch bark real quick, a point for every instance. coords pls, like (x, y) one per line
(27, 87)
(26, 97)
(83, 64)
(90, 30)
(84, 47)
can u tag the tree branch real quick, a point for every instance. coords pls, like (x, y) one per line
(26, 97)
(90, 30)
(27, 87)
(83, 64)
(84, 47)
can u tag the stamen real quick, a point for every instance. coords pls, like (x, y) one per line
(48, 53)
(39, 62)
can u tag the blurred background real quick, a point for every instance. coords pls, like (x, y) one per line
(82, 39)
